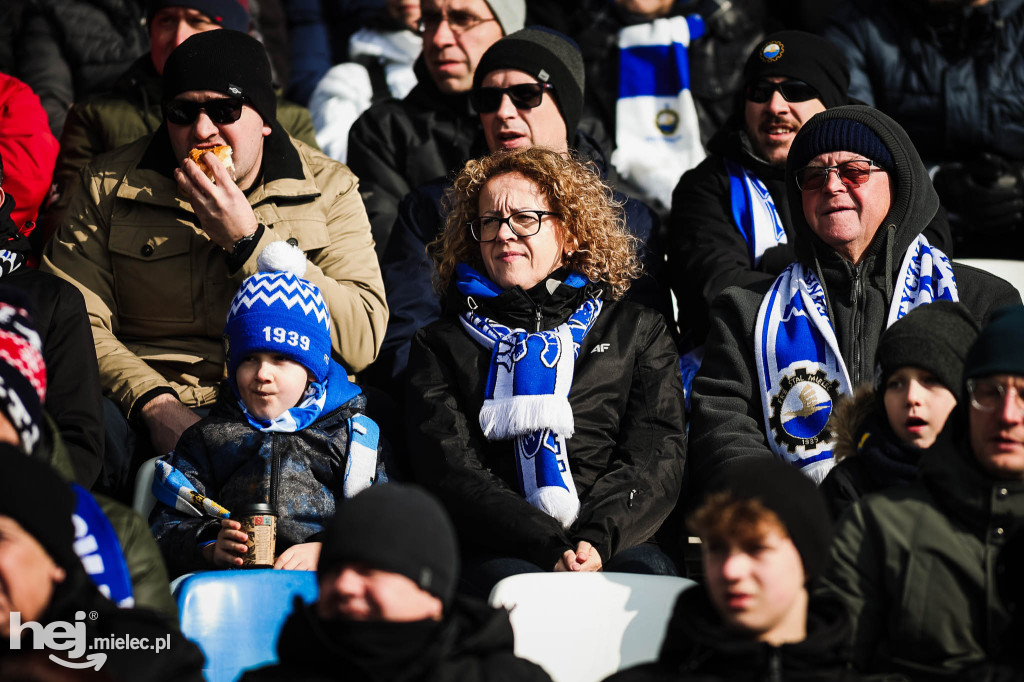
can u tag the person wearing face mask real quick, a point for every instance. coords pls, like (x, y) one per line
(388, 608)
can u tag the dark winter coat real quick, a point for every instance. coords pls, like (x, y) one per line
(299, 474)
(472, 644)
(71, 49)
(954, 79)
(727, 418)
(100, 618)
(869, 455)
(699, 647)
(916, 565)
(626, 455)
(408, 270)
(706, 251)
(72, 376)
(397, 145)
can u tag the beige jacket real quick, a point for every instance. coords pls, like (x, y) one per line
(158, 290)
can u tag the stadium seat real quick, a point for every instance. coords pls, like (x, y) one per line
(143, 501)
(582, 627)
(235, 616)
(1010, 270)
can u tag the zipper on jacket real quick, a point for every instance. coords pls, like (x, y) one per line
(632, 494)
(275, 470)
(537, 317)
(775, 665)
(855, 302)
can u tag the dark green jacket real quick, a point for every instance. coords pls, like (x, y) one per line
(145, 564)
(129, 111)
(916, 566)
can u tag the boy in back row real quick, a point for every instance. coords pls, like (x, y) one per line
(290, 433)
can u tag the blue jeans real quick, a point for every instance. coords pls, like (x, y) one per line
(481, 572)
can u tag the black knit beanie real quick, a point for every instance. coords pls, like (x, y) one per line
(840, 135)
(548, 56)
(228, 14)
(933, 337)
(33, 494)
(793, 497)
(998, 349)
(805, 57)
(396, 528)
(225, 61)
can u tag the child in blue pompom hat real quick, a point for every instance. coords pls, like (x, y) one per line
(291, 433)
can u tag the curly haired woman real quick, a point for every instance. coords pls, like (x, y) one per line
(544, 411)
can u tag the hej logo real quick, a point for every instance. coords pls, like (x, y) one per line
(59, 636)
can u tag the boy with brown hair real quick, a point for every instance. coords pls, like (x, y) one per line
(765, 534)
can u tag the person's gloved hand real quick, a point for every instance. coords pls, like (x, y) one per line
(987, 193)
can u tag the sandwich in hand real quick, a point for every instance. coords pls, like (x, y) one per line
(223, 154)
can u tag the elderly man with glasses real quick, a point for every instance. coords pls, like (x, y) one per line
(781, 354)
(730, 223)
(159, 247)
(917, 566)
(397, 145)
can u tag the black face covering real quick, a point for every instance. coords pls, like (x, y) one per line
(378, 651)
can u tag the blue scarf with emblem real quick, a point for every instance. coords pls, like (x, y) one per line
(799, 367)
(753, 212)
(527, 393)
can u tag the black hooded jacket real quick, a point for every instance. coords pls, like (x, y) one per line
(727, 418)
(472, 644)
(698, 646)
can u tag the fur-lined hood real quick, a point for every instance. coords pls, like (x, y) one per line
(847, 418)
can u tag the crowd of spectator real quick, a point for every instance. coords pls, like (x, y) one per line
(598, 279)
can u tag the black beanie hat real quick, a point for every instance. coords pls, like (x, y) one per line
(22, 368)
(802, 56)
(548, 56)
(793, 497)
(840, 135)
(396, 528)
(228, 14)
(933, 337)
(33, 494)
(224, 61)
(999, 348)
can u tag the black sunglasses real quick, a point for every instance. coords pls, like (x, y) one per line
(523, 96)
(222, 110)
(792, 91)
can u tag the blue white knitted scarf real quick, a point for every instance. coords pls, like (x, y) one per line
(754, 212)
(799, 367)
(527, 393)
(657, 134)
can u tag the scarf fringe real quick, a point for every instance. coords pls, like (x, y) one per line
(556, 502)
(521, 415)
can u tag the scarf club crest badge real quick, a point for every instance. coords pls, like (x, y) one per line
(801, 409)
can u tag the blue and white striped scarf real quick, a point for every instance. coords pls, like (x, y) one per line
(800, 370)
(754, 212)
(527, 393)
(657, 134)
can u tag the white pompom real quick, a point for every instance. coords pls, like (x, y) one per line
(282, 257)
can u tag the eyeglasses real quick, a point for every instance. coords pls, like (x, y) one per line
(458, 21)
(851, 173)
(523, 96)
(791, 91)
(222, 110)
(522, 223)
(988, 395)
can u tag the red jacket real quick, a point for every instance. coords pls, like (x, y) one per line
(28, 149)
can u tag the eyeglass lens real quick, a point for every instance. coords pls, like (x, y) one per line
(988, 396)
(792, 91)
(222, 110)
(851, 173)
(523, 96)
(458, 21)
(522, 224)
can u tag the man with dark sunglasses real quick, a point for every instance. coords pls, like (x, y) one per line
(131, 108)
(528, 91)
(781, 354)
(159, 249)
(397, 145)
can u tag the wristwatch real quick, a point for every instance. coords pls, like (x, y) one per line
(246, 239)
